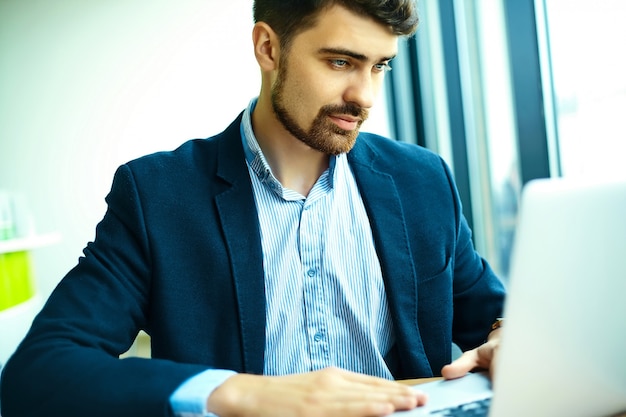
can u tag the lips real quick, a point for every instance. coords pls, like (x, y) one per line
(345, 122)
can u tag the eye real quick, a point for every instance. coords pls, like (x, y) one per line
(382, 67)
(339, 63)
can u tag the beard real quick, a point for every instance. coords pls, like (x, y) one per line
(323, 135)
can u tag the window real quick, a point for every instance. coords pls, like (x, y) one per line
(511, 91)
(463, 106)
(588, 64)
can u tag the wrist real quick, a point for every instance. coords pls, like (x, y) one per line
(226, 399)
(496, 328)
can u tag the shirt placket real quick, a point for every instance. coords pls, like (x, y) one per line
(311, 238)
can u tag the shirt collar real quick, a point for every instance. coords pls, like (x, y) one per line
(259, 165)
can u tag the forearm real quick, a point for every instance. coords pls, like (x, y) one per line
(74, 381)
(69, 364)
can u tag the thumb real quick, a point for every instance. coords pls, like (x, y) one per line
(460, 367)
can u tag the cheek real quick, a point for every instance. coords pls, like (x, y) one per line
(318, 86)
(306, 99)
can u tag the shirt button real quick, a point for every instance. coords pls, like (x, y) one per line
(311, 273)
(318, 337)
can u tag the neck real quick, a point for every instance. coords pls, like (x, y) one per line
(296, 165)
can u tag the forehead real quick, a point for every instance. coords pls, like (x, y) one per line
(338, 27)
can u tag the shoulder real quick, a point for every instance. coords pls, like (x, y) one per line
(396, 157)
(418, 174)
(186, 155)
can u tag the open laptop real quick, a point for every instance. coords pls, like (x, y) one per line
(563, 351)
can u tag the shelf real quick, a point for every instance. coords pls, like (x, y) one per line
(28, 243)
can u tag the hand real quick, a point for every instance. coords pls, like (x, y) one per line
(329, 392)
(483, 357)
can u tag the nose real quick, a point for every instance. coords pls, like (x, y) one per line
(362, 90)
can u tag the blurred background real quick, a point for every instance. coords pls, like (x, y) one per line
(505, 90)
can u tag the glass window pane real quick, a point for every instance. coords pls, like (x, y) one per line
(588, 68)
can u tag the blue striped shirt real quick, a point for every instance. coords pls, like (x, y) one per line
(326, 303)
(325, 296)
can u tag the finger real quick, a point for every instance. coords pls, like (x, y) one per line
(365, 408)
(387, 387)
(460, 367)
(363, 381)
(354, 387)
(369, 401)
(407, 398)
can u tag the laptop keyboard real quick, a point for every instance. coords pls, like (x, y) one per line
(472, 409)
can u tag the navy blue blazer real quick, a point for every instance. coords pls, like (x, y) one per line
(178, 254)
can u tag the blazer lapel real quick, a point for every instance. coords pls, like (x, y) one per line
(384, 208)
(239, 219)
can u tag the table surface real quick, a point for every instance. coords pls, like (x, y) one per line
(418, 381)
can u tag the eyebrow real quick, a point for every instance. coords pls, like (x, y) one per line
(351, 54)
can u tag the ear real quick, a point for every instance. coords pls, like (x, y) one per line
(266, 46)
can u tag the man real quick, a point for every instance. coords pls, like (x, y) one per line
(286, 267)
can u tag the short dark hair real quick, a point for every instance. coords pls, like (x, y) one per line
(290, 17)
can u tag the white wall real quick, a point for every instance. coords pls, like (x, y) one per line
(86, 85)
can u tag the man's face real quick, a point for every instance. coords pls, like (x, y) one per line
(329, 78)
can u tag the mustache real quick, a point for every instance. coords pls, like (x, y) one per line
(348, 108)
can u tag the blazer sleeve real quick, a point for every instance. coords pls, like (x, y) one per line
(478, 293)
(68, 364)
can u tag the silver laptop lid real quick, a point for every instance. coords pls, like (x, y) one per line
(564, 341)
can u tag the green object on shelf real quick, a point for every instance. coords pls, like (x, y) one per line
(16, 279)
